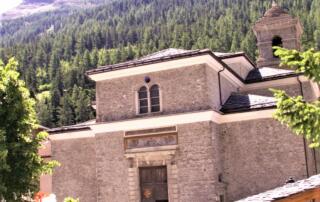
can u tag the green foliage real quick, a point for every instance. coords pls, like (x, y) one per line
(307, 62)
(302, 117)
(20, 164)
(69, 199)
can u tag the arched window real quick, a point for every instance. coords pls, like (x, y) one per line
(143, 100)
(155, 98)
(276, 41)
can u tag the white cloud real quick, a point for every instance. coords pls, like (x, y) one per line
(8, 4)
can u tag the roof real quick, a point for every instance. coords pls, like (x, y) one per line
(240, 102)
(41, 127)
(268, 73)
(165, 55)
(275, 11)
(77, 127)
(256, 75)
(285, 191)
(275, 15)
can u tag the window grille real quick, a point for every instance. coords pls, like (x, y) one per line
(149, 99)
(143, 100)
(155, 98)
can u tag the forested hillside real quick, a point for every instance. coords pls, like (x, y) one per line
(55, 49)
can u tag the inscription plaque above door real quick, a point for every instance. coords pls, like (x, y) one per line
(151, 138)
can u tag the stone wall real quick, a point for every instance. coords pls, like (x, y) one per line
(308, 92)
(76, 177)
(259, 155)
(292, 90)
(112, 168)
(213, 88)
(226, 89)
(196, 162)
(233, 159)
(99, 169)
(181, 90)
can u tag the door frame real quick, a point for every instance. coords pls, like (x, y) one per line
(152, 159)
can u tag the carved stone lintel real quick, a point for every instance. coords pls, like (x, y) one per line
(151, 141)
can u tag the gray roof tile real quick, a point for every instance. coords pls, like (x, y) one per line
(238, 102)
(286, 190)
(267, 73)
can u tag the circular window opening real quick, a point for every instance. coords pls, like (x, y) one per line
(147, 79)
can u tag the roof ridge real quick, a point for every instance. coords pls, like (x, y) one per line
(163, 51)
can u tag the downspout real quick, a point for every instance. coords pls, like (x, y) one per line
(304, 139)
(220, 96)
(219, 80)
(315, 160)
(305, 156)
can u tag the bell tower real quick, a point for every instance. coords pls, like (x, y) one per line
(276, 28)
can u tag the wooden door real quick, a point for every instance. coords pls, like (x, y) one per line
(154, 184)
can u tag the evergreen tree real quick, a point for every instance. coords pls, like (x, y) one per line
(82, 104)
(66, 112)
(44, 112)
(94, 58)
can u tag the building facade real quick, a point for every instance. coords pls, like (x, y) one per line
(185, 125)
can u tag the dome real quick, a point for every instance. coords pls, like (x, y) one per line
(275, 11)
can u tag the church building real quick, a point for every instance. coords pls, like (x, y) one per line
(187, 126)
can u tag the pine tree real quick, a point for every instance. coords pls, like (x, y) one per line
(94, 58)
(103, 57)
(66, 112)
(82, 104)
(86, 63)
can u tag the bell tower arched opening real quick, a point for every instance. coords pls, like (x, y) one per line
(276, 41)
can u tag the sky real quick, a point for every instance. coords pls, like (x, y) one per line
(8, 4)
